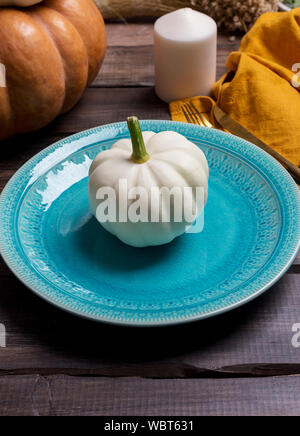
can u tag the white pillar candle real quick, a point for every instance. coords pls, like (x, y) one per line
(185, 52)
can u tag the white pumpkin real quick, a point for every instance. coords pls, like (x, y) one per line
(170, 161)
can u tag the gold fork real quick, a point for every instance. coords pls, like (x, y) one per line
(194, 116)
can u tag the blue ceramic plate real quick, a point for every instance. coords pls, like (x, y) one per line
(52, 243)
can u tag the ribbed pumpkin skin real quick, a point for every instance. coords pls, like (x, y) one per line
(51, 52)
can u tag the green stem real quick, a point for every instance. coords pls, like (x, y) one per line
(139, 152)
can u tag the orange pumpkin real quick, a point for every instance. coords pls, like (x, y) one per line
(50, 51)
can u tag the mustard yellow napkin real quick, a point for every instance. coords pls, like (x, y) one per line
(257, 91)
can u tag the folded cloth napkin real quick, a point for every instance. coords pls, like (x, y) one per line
(258, 90)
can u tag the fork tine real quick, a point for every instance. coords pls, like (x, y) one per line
(187, 117)
(193, 116)
(203, 118)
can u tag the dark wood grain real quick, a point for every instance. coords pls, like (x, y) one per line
(127, 65)
(69, 396)
(134, 67)
(107, 105)
(129, 34)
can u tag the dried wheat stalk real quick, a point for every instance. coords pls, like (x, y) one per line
(232, 14)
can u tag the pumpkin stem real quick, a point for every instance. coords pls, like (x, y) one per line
(139, 152)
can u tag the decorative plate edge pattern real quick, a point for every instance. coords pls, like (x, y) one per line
(278, 177)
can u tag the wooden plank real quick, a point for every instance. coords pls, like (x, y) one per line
(129, 34)
(136, 34)
(73, 396)
(44, 339)
(24, 396)
(101, 106)
(127, 65)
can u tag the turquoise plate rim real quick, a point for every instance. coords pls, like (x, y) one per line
(272, 171)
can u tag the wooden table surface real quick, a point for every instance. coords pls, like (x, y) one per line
(56, 364)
